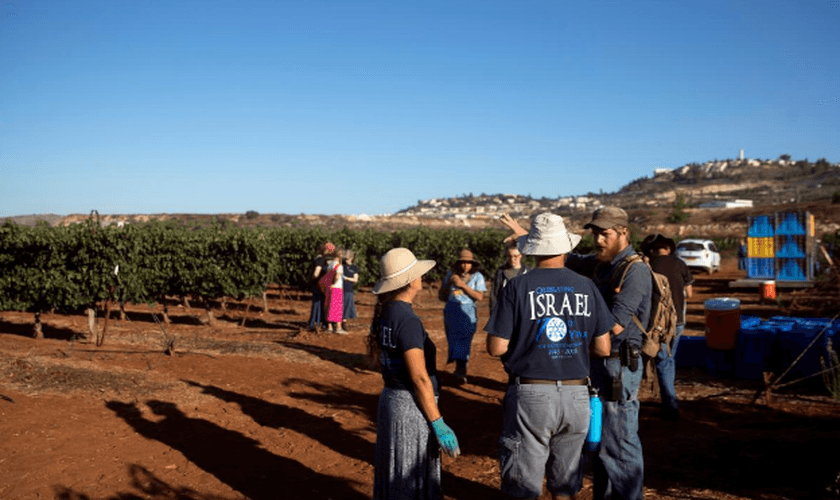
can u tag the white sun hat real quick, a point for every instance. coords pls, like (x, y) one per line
(399, 267)
(548, 236)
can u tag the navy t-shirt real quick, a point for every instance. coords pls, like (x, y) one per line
(550, 317)
(400, 330)
(349, 270)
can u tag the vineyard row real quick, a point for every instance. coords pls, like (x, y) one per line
(75, 267)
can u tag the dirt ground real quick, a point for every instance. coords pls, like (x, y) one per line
(269, 411)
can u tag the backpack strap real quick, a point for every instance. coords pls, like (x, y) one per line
(622, 270)
(638, 323)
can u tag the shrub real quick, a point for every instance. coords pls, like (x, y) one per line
(678, 216)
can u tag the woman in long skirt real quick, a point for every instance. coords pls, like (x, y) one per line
(409, 428)
(462, 287)
(335, 294)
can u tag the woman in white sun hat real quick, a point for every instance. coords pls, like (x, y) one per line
(410, 430)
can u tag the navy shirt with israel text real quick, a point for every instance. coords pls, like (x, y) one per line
(550, 317)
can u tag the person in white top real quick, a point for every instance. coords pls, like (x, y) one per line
(334, 297)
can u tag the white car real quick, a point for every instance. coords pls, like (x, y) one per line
(699, 254)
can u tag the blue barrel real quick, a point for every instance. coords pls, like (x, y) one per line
(755, 343)
(792, 340)
(749, 321)
(720, 364)
(691, 352)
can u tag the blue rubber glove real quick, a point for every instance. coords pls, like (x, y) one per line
(446, 438)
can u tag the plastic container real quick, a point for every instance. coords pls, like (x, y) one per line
(760, 227)
(748, 321)
(791, 270)
(760, 247)
(790, 223)
(768, 290)
(755, 343)
(723, 320)
(720, 364)
(691, 352)
(761, 268)
(792, 247)
(593, 437)
(792, 341)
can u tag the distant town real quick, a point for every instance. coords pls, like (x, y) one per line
(737, 183)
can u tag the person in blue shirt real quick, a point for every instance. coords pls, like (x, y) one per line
(410, 430)
(462, 287)
(545, 327)
(743, 253)
(619, 465)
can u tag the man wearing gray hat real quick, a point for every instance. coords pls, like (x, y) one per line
(619, 465)
(545, 326)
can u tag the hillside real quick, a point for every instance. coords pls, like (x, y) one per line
(762, 187)
(752, 187)
(761, 182)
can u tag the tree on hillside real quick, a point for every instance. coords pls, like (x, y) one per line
(679, 215)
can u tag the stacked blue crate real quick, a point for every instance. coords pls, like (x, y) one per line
(791, 223)
(792, 248)
(761, 267)
(791, 258)
(792, 270)
(761, 226)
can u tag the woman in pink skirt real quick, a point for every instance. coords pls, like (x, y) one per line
(334, 296)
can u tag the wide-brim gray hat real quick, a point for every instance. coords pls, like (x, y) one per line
(548, 236)
(399, 267)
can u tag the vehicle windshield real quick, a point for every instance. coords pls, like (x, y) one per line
(690, 247)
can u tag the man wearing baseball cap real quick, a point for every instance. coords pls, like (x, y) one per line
(545, 326)
(619, 465)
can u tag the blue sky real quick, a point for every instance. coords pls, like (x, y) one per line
(337, 107)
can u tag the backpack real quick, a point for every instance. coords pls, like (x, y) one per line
(327, 279)
(662, 326)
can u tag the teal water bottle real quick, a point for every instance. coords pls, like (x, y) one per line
(593, 437)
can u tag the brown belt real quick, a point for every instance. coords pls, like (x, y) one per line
(523, 380)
